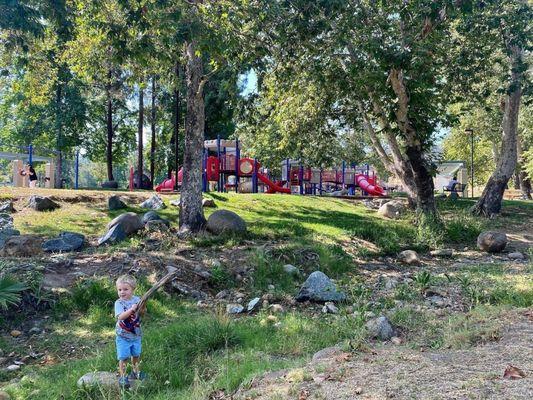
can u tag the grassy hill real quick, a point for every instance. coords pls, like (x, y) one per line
(194, 350)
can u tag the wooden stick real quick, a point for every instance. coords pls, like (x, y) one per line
(171, 271)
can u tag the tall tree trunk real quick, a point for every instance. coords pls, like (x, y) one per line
(524, 184)
(417, 171)
(109, 126)
(59, 128)
(153, 144)
(490, 202)
(174, 140)
(191, 212)
(140, 146)
(177, 126)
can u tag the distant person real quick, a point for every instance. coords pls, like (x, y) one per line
(31, 174)
(452, 184)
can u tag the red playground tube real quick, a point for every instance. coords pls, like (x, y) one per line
(168, 184)
(371, 189)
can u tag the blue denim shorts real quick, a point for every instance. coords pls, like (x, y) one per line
(127, 348)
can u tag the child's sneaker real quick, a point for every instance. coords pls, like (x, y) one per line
(124, 382)
(137, 375)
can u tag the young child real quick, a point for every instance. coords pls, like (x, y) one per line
(128, 329)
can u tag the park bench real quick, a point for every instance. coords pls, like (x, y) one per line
(456, 188)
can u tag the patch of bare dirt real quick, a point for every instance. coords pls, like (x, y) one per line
(396, 372)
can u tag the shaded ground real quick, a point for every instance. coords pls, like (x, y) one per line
(397, 372)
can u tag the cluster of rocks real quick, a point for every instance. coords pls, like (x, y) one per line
(129, 223)
(205, 203)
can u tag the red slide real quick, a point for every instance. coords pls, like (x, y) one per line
(363, 183)
(168, 184)
(274, 187)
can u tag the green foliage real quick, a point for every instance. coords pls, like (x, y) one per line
(93, 292)
(10, 290)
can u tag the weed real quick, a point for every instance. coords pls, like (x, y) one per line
(423, 281)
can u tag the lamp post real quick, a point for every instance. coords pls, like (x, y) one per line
(471, 132)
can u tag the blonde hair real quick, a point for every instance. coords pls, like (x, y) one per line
(127, 279)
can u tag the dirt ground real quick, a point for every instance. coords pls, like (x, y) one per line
(397, 372)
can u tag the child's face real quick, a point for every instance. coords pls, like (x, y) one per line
(125, 291)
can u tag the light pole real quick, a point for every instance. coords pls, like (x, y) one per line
(471, 132)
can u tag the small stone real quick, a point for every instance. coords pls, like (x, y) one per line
(13, 367)
(369, 314)
(358, 390)
(291, 270)
(409, 257)
(516, 256)
(396, 340)
(15, 333)
(442, 253)
(4, 395)
(319, 288)
(234, 308)
(222, 294)
(437, 301)
(391, 283)
(276, 308)
(253, 304)
(271, 287)
(208, 203)
(240, 295)
(34, 331)
(330, 308)
(380, 328)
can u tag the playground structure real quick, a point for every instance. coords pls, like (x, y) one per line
(25, 155)
(224, 170)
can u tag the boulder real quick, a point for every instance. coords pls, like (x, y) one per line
(328, 352)
(409, 257)
(225, 221)
(492, 242)
(40, 203)
(4, 395)
(22, 246)
(115, 203)
(156, 225)
(153, 216)
(130, 223)
(114, 235)
(318, 287)
(153, 203)
(7, 207)
(104, 380)
(110, 185)
(380, 328)
(208, 203)
(5, 234)
(66, 241)
(390, 210)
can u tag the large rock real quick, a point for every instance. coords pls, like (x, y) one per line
(104, 380)
(115, 203)
(492, 242)
(153, 216)
(380, 328)
(40, 203)
(409, 257)
(318, 287)
(22, 246)
(110, 185)
(130, 223)
(391, 210)
(153, 203)
(225, 221)
(7, 207)
(208, 203)
(6, 221)
(66, 241)
(6, 233)
(114, 235)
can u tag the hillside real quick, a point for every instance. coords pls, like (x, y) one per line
(470, 310)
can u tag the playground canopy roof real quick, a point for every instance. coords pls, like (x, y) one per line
(224, 144)
(450, 167)
(22, 156)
